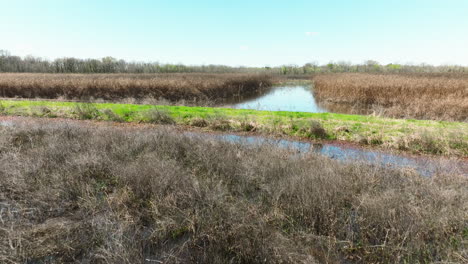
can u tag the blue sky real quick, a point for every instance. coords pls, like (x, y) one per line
(242, 32)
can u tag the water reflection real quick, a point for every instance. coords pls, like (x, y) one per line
(6, 123)
(424, 166)
(343, 108)
(297, 98)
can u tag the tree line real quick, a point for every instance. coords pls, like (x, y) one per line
(11, 63)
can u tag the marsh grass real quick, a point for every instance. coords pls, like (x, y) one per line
(248, 126)
(141, 87)
(43, 111)
(107, 195)
(86, 111)
(421, 96)
(316, 130)
(219, 121)
(158, 116)
(220, 124)
(198, 122)
(112, 116)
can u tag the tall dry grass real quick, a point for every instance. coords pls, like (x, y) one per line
(106, 195)
(171, 87)
(420, 96)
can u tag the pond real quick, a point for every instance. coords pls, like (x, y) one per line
(297, 98)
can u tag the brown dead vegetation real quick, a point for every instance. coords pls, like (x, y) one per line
(422, 96)
(106, 195)
(173, 87)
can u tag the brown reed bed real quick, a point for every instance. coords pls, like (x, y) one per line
(422, 96)
(172, 87)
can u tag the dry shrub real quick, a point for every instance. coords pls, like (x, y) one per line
(219, 121)
(41, 111)
(108, 195)
(158, 116)
(173, 87)
(220, 124)
(86, 111)
(248, 126)
(198, 122)
(421, 96)
(316, 130)
(111, 116)
(425, 141)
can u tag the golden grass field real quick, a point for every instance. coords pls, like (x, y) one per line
(173, 87)
(420, 96)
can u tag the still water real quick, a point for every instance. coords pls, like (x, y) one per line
(425, 166)
(297, 98)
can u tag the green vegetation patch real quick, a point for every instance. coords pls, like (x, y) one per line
(426, 136)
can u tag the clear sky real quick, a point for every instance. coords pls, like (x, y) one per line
(240, 32)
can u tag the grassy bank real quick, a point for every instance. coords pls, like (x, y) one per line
(106, 195)
(173, 87)
(434, 137)
(434, 96)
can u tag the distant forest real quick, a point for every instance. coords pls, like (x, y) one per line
(11, 63)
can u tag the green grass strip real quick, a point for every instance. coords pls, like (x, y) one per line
(435, 137)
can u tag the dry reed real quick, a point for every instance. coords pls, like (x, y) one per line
(420, 96)
(171, 87)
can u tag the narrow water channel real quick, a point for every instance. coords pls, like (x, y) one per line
(297, 98)
(425, 166)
